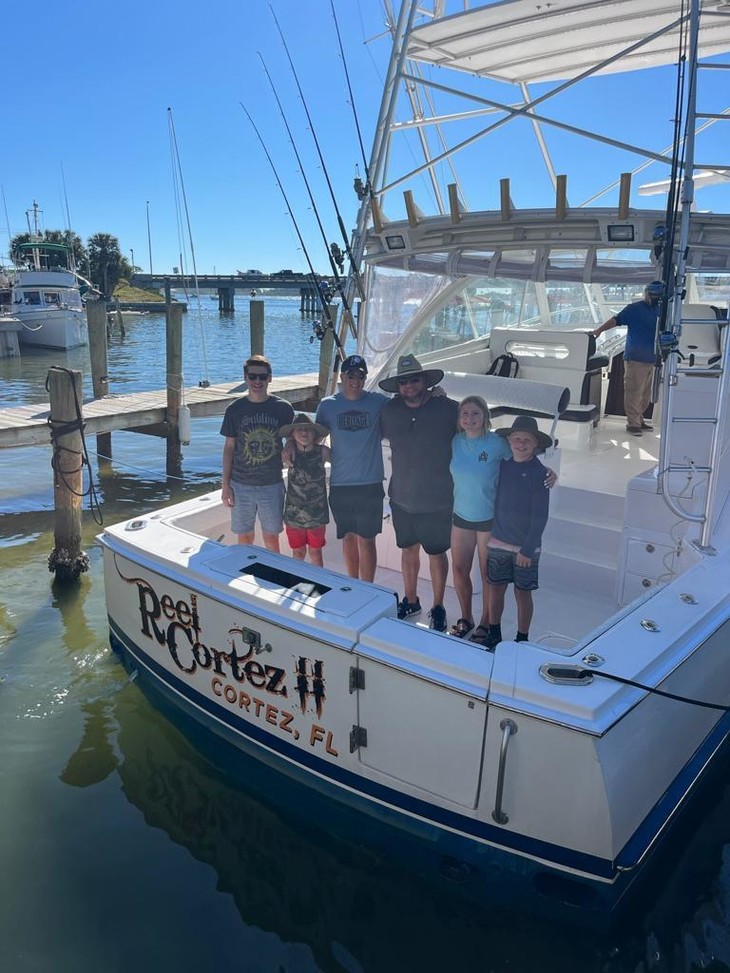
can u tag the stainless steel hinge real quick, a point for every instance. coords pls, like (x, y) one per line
(357, 678)
(358, 738)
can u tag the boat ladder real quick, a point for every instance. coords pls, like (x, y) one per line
(719, 373)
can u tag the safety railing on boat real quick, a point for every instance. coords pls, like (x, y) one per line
(720, 372)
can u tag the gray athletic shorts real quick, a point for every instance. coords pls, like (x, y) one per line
(501, 569)
(266, 501)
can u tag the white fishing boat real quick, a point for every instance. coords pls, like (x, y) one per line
(555, 768)
(45, 295)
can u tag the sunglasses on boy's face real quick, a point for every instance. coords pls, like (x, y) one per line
(410, 379)
(257, 376)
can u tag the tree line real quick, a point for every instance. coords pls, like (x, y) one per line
(100, 258)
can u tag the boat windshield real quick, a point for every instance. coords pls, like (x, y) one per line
(425, 312)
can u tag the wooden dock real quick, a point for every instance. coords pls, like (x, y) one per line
(143, 411)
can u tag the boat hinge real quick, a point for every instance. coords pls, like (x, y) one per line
(357, 678)
(358, 738)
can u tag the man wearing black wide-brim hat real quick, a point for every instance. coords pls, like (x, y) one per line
(420, 427)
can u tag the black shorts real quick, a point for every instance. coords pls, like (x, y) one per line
(481, 526)
(501, 569)
(431, 530)
(358, 509)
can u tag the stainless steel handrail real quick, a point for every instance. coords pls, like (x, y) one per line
(508, 727)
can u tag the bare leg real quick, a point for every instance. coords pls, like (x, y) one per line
(483, 551)
(351, 554)
(368, 557)
(271, 541)
(410, 562)
(524, 609)
(246, 538)
(462, 554)
(438, 565)
(298, 553)
(496, 602)
(315, 556)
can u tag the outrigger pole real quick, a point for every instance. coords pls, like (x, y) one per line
(354, 268)
(312, 273)
(333, 265)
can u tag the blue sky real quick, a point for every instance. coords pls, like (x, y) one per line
(88, 87)
(91, 85)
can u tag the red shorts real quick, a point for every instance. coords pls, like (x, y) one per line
(301, 536)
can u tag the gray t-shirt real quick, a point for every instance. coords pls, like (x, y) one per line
(255, 427)
(354, 425)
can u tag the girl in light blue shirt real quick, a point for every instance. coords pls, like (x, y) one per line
(476, 454)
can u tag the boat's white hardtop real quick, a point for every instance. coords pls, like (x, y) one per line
(521, 41)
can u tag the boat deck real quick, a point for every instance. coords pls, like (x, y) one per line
(564, 613)
(577, 590)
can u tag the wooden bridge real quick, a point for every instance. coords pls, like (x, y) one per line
(145, 411)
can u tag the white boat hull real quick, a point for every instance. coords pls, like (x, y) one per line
(273, 664)
(48, 305)
(53, 328)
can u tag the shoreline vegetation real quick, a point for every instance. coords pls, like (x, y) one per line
(125, 292)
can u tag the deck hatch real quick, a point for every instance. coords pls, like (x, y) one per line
(289, 583)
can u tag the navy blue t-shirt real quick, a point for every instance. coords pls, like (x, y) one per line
(521, 507)
(640, 320)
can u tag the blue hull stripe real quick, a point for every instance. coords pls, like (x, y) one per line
(561, 858)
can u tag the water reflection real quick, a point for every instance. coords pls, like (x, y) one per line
(357, 909)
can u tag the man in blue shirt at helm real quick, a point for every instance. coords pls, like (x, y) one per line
(640, 321)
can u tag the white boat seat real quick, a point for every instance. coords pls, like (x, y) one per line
(700, 338)
(565, 358)
(511, 397)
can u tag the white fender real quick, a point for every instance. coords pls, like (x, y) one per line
(183, 424)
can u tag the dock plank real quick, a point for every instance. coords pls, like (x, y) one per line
(27, 425)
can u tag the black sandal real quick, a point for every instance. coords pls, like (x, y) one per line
(480, 636)
(462, 628)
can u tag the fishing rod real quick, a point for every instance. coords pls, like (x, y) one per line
(312, 273)
(362, 191)
(331, 252)
(343, 231)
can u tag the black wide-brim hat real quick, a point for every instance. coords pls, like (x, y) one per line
(410, 365)
(303, 421)
(527, 424)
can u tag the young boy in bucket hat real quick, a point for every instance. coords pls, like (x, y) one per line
(306, 514)
(520, 516)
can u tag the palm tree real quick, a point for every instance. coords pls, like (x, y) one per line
(106, 263)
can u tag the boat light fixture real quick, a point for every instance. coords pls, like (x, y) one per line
(620, 232)
(395, 242)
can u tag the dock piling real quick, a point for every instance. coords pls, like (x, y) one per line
(326, 350)
(67, 560)
(174, 345)
(256, 325)
(96, 316)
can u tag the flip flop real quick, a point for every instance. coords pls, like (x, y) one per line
(480, 636)
(462, 628)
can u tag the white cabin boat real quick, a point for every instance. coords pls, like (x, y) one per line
(45, 295)
(556, 767)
